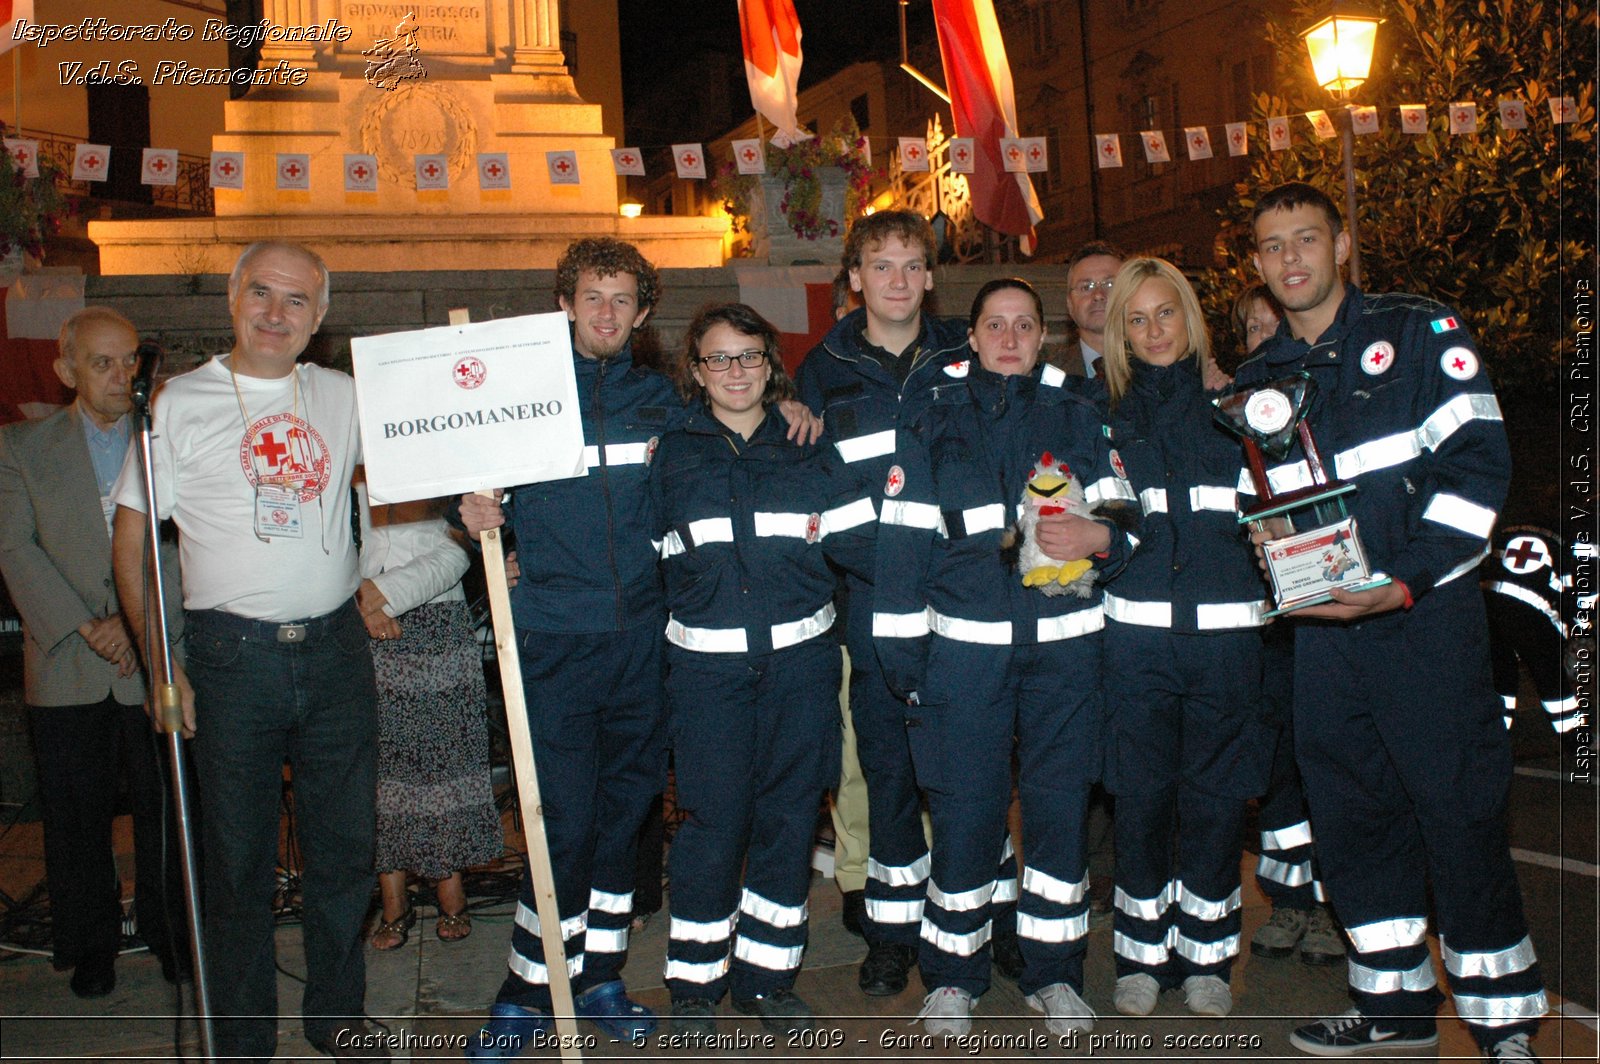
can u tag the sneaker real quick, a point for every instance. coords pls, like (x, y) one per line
(1136, 994)
(1279, 935)
(948, 1011)
(1323, 944)
(1006, 952)
(695, 1017)
(1207, 995)
(1064, 1011)
(509, 1027)
(883, 973)
(781, 1011)
(1352, 1032)
(1515, 1047)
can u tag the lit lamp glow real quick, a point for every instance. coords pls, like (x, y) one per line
(1341, 50)
(630, 209)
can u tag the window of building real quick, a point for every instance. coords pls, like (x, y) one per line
(861, 112)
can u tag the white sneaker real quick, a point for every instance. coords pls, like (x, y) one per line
(1207, 995)
(1136, 994)
(948, 1010)
(1064, 1011)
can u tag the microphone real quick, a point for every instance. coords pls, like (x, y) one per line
(144, 377)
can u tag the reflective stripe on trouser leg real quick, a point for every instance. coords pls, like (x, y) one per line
(1208, 915)
(1494, 988)
(1143, 918)
(1285, 871)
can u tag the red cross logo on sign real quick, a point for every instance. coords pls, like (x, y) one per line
(749, 155)
(1034, 153)
(293, 169)
(914, 152)
(21, 155)
(896, 481)
(469, 373)
(1463, 117)
(158, 164)
(1013, 154)
(92, 161)
(1513, 114)
(627, 160)
(1197, 140)
(358, 172)
(431, 170)
(1155, 145)
(1238, 136)
(493, 170)
(1109, 148)
(1525, 554)
(961, 154)
(225, 168)
(562, 166)
(690, 158)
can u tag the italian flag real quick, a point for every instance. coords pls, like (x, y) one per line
(10, 12)
(771, 32)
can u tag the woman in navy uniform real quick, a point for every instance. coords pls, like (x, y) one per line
(741, 516)
(983, 660)
(1186, 744)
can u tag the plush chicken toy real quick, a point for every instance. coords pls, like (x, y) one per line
(1052, 489)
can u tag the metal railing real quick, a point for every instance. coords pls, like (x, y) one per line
(191, 191)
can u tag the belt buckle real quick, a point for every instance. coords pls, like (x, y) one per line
(291, 633)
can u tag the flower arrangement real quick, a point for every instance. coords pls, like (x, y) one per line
(798, 167)
(31, 208)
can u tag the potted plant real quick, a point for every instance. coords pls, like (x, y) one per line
(811, 188)
(31, 208)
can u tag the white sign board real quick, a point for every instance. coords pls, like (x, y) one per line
(455, 409)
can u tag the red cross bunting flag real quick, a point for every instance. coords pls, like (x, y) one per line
(1155, 146)
(913, 155)
(689, 160)
(227, 169)
(1197, 141)
(1321, 125)
(159, 166)
(1463, 118)
(1108, 150)
(963, 152)
(24, 155)
(432, 172)
(91, 162)
(494, 171)
(563, 166)
(749, 156)
(294, 171)
(1238, 134)
(1011, 156)
(1278, 132)
(1414, 118)
(627, 161)
(1363, 120)
(770, 30)
(11, 13)
(1035, 154)
(361, 173)
(1563, 109)
(1513, 114)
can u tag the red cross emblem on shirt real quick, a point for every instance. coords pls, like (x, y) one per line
(493, 169)
(1459, 363)
(358, 172)
(158, 164)
(293, 169)
(562, 166)
(225, 168)
(896, 481)
(270, 449)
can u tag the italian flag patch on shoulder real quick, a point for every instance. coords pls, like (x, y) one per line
(1445, 324)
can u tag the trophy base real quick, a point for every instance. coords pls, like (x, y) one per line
(1295, 500)
(1375, 580)
(1307, 567)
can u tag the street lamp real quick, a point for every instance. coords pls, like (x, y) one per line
(1341, 57)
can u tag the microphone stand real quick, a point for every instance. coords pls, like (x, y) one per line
(164, 696)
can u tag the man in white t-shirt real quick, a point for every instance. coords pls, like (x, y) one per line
(253, 457)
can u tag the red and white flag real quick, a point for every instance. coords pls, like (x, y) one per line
(1321, 125)
(963, 152)
(749, 156)
(1563, 109)
(563, 166)
(1363, 120)
(1414, 118)
(913, 155)
(1278, 132)
(1108, 150)
(1463, 118)
(361, 173)
(984, 107)
(11, 13)
(771, 33)
(294, 171)
(1513, 114)
(432, 172)
(24, 155)
(1197, 139)
(227, 169)
(159, 166)
(91, 162)
(627, 161)
(1155, 146)
(1238, 134)
(494, 171)
(689, 160)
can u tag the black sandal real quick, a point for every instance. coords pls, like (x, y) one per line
(400, 925)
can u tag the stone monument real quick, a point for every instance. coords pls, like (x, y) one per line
(395, 79)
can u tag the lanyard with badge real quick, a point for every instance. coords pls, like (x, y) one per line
(277, 499)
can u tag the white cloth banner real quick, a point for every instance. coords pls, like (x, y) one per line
(91, 162)
(464, 407)
(360, 173)
(627, 161)
(1155, 146)
(1238, 138)
(432, 172)
(963, 151)
(913, 155)
(25, 154)
(494, 171)
(1108, 150)
(159, 166)
(750, 156)
(1414, 118)
(294, 171)
(227, 169)
(1197, 140)
(1463, 118)
(689, 160)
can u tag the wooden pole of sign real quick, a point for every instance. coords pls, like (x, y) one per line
(539, 869)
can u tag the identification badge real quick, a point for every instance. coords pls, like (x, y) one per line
(277, 512)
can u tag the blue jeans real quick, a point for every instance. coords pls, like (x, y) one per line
(257, 701)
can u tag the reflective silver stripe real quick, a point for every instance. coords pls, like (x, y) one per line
(702, 930)
(1457, 411)
(769, 911)
(606, 940)
(1510, 701)
(1376, 454)
(860, 448)
(1507, 721)
(1058, 929)
(1468, 566)
(705, 530)
(1247, 485)
(1455, 512)
(689, 972)
(1146, 953)
(900, 625)
(1212, 497)
(620, 904)
(617, 454)
(528, 920)
(1527, 598)
(1107, 489)
(1005, 890)
(1290, 875)
(1210, 616)
(1501, 1011)
(901, 875)
(791, 526)
(1127, 611)
(848, 516)
(1206, 952)
(977, 519)
(1491, 964)
(763, 955)
(1317, 892)
(1054, 376)
(1070, 625)
(1561, 707)
(1388, 934)
(1050, 888)
(793, 632)
(960, 945)
(994, 633)
(963, 901)
(1287, 838)
(1007, 851)
(532, 971)
(1144, 908)
(1287, 478)
(1133, 541)
(911, 514)
(1404, 446)
(707, 640)
(894, 912)
(1154, 500)
(1384, 981)
(1204, 908)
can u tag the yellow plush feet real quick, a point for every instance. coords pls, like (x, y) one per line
(1042, 575)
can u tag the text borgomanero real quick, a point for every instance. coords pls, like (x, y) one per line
(470, 419)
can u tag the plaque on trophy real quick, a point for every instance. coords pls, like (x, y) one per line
(1306, 564)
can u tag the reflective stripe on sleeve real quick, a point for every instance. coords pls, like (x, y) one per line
(617, 454)
(1212, 497)
(848, 516)
(1468, 566)
(1053, 376)
(977, 519)
(1528, 598)
(1287, 838)
(769, 911)
(789, 525)
(993, 633)
(1154, 500)
(707, 640)
(1455, 512)
(1107, 489)
(1070, 625)
(900, 625)
(1388, 934)
(794, 632)
(1127, 611)
(911, 515)
(705, 530)
(861, 448)
(1210, 616)
(1491, 964)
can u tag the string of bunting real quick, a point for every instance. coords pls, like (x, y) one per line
(431, 172)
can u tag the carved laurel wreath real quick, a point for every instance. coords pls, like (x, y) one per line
(461, 160)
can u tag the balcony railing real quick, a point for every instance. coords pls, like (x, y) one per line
(191, 192)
